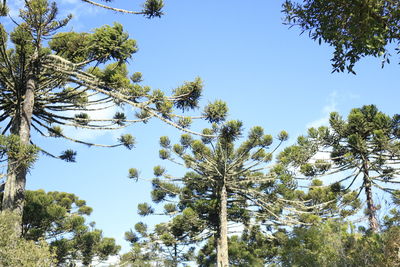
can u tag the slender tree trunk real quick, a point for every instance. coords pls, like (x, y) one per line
(14, 191)
(222, 235)
(175, 263)
(371, 209)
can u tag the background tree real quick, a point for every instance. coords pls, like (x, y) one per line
(226, 183)
(354, 28)
(46, 88)
(362, 152)
(338, 243)
(251, 248)
(16, 251)
(58, 218)
(171, 242)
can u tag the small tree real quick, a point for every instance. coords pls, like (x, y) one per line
(169, 242)
(363, 150)
(226, 183)
(58, 218)
(16, 251)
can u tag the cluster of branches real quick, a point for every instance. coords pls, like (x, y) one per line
(354, 28)
(150, 8)
(362, 153)
(230, 185)
(52, 80)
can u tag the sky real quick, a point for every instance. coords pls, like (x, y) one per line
(268, 74)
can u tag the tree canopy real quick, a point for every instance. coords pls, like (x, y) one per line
(354, 28)
(363, 150)
(51, 80)
(226, 184)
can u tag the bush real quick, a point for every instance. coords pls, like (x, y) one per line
(16, 251)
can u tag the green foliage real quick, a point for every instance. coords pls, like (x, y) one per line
(168, 242)
(71, 45)
(363, 147)
(133, 173)
(322, 245)
(213, 163)
(68, 155)
(111, 42)
(153, 8)
(145, 209)
(332, 244)
(251, 248)
(216, 112)
(191, 91)
(354, 28)
(11, 147)
(16, 251)
(64, 67)
(127, 140)
(58, 218)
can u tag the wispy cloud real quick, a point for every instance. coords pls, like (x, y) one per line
(15, 6)
(75, 7)
(326, 110)
(91, 135)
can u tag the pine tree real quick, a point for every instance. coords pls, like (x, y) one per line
(43, 83)
(225, 184)
(364, 150)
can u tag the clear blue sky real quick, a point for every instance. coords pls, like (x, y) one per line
(269, 76)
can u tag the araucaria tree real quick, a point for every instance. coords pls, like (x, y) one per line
(48, 85)
(362, 153)
(225, 184)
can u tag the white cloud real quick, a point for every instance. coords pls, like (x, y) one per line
(326, 110)
(91, 135)
(15, 6)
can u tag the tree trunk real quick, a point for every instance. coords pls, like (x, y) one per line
(14, 191)
(222, 235)
(371, 209)
(175, 262)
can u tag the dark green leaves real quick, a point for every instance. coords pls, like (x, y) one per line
(71, 45)
(187, 96)
(133, 173)
(127, 140)
(216, 112)
(145, 209)
(111, 42)
(354, 28)
(120, 118)
(231, 131)
(68, 155)
(153, 8)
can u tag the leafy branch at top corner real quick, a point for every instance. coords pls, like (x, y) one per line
(369, 29)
